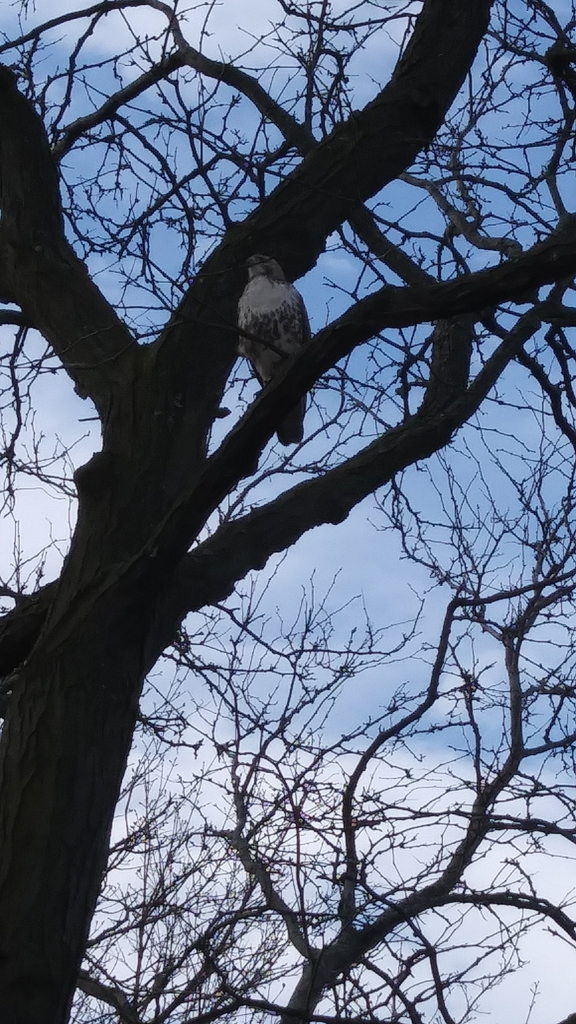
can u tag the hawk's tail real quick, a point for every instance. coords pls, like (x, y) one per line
(291, 430)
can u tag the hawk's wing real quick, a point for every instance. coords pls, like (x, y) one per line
(274, 313)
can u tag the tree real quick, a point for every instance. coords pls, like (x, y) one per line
(157, 171)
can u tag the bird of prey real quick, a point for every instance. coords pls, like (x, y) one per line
(271, 310)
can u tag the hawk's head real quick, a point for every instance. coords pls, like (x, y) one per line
(264, 265)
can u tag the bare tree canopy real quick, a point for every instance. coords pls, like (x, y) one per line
(287, 842)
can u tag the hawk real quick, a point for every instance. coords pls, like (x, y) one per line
(272, 310)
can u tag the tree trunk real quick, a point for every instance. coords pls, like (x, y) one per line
(72, 713)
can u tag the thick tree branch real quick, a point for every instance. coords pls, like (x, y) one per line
(377, 143)
(389, 307)
(294, 132)
(113, 997)
(208, 574)
(211, 570)
(13, 318)
(354, 162)
(357, 159)
(373, 146)
(38, 268)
